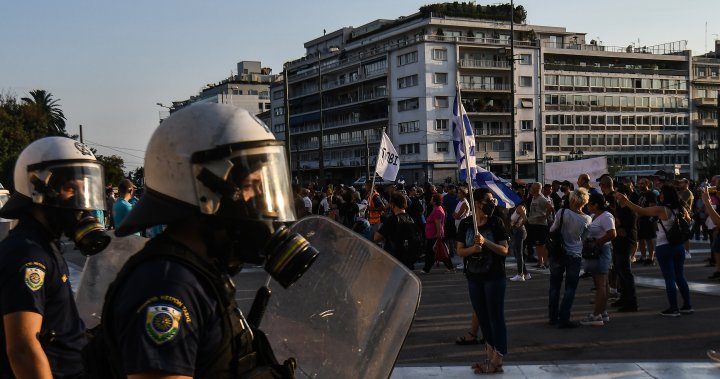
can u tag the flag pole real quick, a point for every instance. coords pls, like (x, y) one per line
(466, 148)
(372, 186)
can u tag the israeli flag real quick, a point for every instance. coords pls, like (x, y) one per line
(463, 134)
(505, 196)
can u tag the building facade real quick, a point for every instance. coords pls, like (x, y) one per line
(249, 89)
(706, 104)
(549, 97)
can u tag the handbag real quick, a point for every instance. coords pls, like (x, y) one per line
(590, 250)
(440, 250)
(555, 243)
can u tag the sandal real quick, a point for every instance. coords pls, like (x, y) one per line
(464, 341)
(487, 367)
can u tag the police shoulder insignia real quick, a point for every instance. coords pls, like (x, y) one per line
(162, 322)
(34, 277)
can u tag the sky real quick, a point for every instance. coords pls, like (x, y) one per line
(110, 62)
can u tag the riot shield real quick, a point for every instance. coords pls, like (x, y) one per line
(99, 271)
(348, 316)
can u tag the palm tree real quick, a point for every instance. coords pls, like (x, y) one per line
(44, 101)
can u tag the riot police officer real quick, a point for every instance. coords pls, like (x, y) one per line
(216, 176)
(58, 185)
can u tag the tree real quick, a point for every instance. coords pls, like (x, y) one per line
(43, 102)
(114, 168)
(138, 176)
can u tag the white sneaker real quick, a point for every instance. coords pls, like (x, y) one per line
(605, 317)
(592, 320)
(527, 276)
(517, 278)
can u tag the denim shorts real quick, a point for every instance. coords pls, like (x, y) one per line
(602, 264)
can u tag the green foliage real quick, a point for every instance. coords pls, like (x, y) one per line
(500, 12)
(138, 176)
(114, 168)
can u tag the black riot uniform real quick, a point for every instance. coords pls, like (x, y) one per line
(174, 311)
(34, 277)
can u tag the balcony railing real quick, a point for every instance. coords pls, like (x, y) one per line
(706, 123)
(477, 40)
(481, 132)
(615, 69)
(502, 110)
(705, 78)
(706, 101)
(666, 48)
(485, 87)
(477, 63)
(350, 100)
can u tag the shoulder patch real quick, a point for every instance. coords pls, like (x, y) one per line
(34, 277)
(162, 322)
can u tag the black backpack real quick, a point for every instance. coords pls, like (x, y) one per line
(679, 232)
(407, 243)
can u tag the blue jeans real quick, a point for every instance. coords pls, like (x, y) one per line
(570, 266)
(488, 301)
(671, 259)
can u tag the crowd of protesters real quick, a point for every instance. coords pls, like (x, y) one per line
(606, 229)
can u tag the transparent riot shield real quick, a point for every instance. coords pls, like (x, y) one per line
(348, 316)
(99, 271)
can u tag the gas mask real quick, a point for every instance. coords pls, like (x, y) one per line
(248, 195)
(70, 192)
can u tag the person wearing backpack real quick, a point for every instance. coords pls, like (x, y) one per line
(670, 249)
(401, 235)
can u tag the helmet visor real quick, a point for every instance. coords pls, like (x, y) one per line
(255, 184)
(76, 185)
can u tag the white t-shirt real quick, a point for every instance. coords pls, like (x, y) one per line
(601, 225)
(464, 214)
(308, 204)
(324, 206)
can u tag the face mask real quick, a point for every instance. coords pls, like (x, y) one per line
(488, 208)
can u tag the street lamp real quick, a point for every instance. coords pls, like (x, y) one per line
(576, 155)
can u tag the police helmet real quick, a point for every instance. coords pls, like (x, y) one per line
(56, 172)
(216, 160)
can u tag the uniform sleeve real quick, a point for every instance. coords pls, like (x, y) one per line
(24, 288)
(159, 319)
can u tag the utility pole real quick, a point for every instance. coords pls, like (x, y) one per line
(288, 150)
(513, 150)
(367, 156)
(81, 134)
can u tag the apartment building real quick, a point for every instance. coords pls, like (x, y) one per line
(629, 104)
(549, 97)
(248, 89)
(706, 104)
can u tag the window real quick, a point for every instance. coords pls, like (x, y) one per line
(407, 58)
(441, 147)
(525, 59)
(526, 81)
(526, 125)
(411, 148)
(408, 81)
(279, 128)
(442, 124)
(409, 127)
(442, 102)
(279, 111)
(526, 146)
(278, 94)
(441, 77)
(439, 54)
(409, 104)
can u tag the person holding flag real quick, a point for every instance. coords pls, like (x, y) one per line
(387, 166)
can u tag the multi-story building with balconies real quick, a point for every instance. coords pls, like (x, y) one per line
(548, 96)
(249, 89)
(706, 104)
(629, 104)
